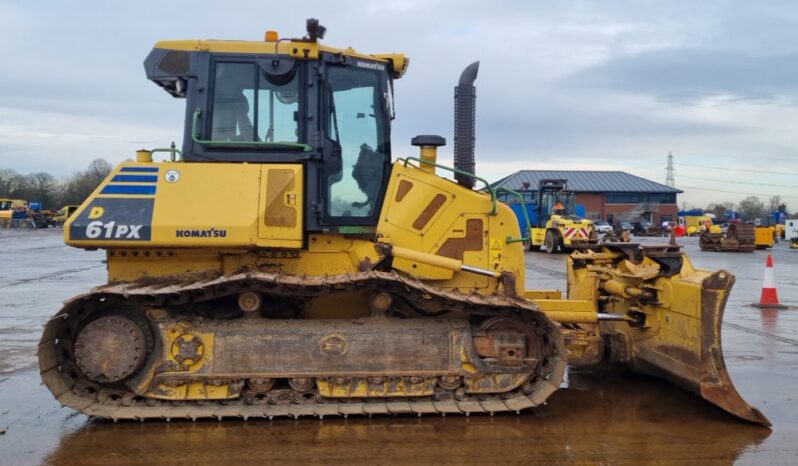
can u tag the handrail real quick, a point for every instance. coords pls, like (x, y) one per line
(171, 150)
(195, 138)
(459, 172)
(520, 196)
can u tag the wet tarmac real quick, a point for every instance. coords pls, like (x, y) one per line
(596, 418)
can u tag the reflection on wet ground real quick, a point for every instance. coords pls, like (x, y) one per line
(602, 419)
(609, 417)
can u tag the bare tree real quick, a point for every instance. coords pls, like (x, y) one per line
(80, 185)
(43, 187)
(751, 207)
(98, 170)
(720, 209)
(773, 203)
(14, 185)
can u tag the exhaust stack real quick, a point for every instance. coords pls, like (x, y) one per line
(465, 101)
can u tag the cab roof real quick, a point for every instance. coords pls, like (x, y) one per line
(303, 49)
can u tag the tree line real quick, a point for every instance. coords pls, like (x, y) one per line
(749, 208)
(52, 192)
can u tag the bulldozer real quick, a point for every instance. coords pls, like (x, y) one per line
(283, 264)
(739, 237)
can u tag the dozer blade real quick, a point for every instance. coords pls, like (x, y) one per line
(660, 316)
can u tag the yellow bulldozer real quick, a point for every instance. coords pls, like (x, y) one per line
(282, 264)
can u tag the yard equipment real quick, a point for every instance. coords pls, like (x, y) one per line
(63, 214)
(525, 203)
(12, 211)
(764, 237)
(17, 213)
(698, 224)
(282, 265)
(739, 237)
(557, 227)
(642, 229)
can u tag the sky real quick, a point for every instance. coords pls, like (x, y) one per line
(577, 85)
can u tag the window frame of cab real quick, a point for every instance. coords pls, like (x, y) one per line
(383, 127)
(201, 96)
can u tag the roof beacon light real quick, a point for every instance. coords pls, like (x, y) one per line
(272, 36)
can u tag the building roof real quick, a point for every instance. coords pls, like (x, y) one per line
(586, 181)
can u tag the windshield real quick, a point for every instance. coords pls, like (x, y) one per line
(561, 203)
(358, 125)
(250, 105)
(5, 205)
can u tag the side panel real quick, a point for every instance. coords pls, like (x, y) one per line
(280, 217)
(430, 214)
(189, 205)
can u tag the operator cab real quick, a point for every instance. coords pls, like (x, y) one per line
(555, 199)
(290, 101)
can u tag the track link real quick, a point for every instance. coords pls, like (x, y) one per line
(73, 390)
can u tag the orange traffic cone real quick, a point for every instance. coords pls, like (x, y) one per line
(769, 298)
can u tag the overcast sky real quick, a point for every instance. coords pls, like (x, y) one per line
(603, 85)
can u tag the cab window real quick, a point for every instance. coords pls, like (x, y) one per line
(357, 125)
(250, 105)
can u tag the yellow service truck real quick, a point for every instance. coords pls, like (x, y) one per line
(697, 224)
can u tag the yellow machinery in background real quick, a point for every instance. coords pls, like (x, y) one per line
(63, 214)
(555, 227)
(282, 264)
(739, 237)
(12, 212)
(764, 237)
(697, 224)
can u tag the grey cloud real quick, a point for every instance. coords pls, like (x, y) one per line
(690, 76)
(585, 81)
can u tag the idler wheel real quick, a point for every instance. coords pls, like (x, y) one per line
(302, 384)
(110, 349)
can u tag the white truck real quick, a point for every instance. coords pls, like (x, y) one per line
(791, 232)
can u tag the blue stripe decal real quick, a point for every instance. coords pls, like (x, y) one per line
(135, 178)
(139, 169)
(128, 189)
